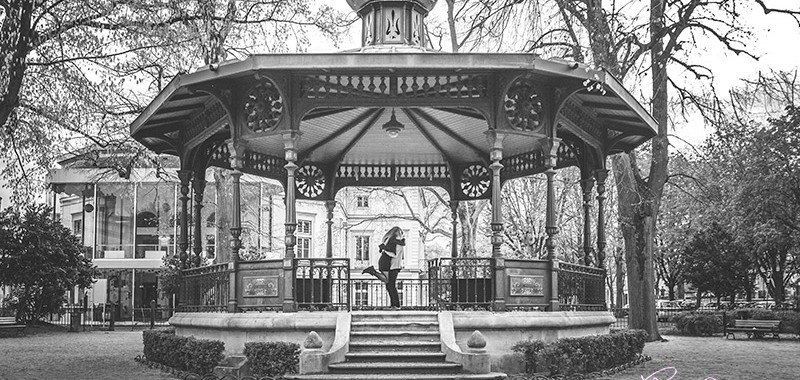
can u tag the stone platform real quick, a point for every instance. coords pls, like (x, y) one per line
(501, 331)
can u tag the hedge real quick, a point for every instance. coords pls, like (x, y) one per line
(698, 324)
(581, 355)
(272, 359)
(199, 356)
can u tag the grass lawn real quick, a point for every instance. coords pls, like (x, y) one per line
(718, 358)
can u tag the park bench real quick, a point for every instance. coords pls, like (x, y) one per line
(754, 328)
(10, 324)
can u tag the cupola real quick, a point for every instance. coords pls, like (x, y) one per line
(392, 22)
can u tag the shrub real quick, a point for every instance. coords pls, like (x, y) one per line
(272, 358)
(180, 352)
(581, 355)
(698, 324)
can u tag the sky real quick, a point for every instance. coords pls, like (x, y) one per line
(774, 42)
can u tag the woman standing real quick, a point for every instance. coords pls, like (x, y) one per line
(390, 263)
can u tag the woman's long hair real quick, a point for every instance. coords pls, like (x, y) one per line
(394, 231)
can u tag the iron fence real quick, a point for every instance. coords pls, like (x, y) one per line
(581, 287)
(205, 289)
(101, 315)
(459, 283)
(322, 283)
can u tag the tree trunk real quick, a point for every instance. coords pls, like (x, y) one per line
(468, 215)
(15, 40)
(620, 279)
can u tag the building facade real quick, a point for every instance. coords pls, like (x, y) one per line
(130, 226)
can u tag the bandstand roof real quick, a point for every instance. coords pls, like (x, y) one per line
(447, 103)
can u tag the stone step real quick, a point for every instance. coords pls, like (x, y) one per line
(398, 376)
(389, 336)
(405, 357)
(375, 345)
(418, 316)
(386, 367)
(395, 325)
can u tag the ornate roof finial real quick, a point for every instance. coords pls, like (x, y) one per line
(392, 22)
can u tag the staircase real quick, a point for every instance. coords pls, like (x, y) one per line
(395, 345)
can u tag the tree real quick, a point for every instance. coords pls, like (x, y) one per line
(716, 262)
(77, 72)
(40, 260)
(763, 164)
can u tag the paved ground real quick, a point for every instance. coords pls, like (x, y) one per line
(50, 353)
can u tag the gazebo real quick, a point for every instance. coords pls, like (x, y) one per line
(392, 113)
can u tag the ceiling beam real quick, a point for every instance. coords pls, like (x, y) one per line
(606, 106)
(191, 95)
(449, 132)
(632, 119)
(625, 128)
(187, 107)
(427, 135)
(325, 112)
(462, 112)
(166, 120)
(352, 124)
(156, 132)
(338, 160)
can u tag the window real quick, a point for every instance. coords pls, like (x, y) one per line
(303, 234)
(303, 247)
(362, 248)
(304, 227)
(77, 225)
(362, 201)
(361, 291)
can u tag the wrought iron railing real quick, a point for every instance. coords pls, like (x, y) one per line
(205, 289)
(371, 294)
(581, 287)
(322, 283)
(461, 283)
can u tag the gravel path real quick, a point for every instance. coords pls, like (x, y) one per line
(718, 358)
(50, 353)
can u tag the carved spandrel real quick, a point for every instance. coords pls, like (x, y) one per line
(523, 105)
(263, 106)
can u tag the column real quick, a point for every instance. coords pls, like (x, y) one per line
(329, 207)
(601, 175)
(586, 185)
(237, 163)
(550, 225)
(497, 206)
(495, 155)
(454, 242)
(290, 154)
(183, 240)
(198, 185)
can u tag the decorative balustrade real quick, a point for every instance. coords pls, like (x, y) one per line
(205, 289)
(322, 283)
(371, 294)
(581, 287)
(461, 283)
(449, 284)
